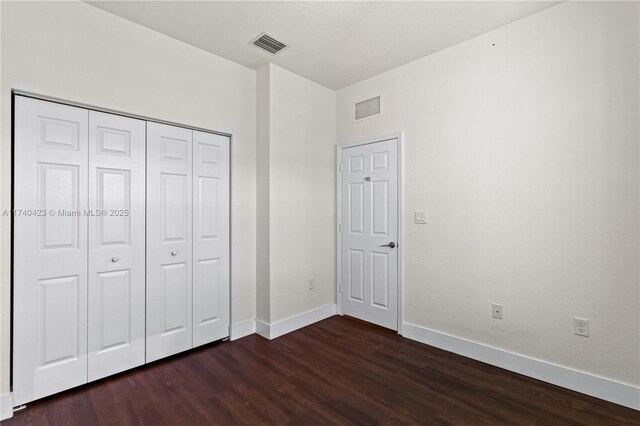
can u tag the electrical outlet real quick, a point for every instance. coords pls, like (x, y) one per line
(497, 311)
(581, 327)
(312, 283)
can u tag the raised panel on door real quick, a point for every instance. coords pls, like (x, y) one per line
(173, 207)
(369, 217)
(356, 208)
(116, 244)
(210, 237)
(355, 282)
(380, 280)
(49, 249)
(169, 240)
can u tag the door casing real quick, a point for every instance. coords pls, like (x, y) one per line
(399, 135)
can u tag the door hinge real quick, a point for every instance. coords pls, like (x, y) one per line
(340, 289)
(340, 166)
(340, 227)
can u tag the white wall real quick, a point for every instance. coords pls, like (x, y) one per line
(523, 147)
(263, 258)
(74, 51)
(301, 198)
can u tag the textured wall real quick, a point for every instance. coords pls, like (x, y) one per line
(522, 146)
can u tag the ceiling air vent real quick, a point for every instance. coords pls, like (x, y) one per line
(367, 108)
(268, 43)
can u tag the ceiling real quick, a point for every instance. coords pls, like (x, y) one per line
(334, 43)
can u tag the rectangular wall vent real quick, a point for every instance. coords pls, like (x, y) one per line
(268, 43)
(367, 108)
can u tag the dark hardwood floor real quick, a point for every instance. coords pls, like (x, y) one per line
(338, 371)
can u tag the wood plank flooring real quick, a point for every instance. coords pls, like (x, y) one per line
(338, 371)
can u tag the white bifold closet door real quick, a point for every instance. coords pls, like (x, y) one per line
(169, 262)
(111, 271)
(50, 249)
(116, 244)
(187, 239)
(210, 237)
(79, 272)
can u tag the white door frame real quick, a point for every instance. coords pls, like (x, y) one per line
(399, 135)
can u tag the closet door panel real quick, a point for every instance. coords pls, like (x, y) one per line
(169, 242)
(211, 237)
(49, 249)
(116, 244)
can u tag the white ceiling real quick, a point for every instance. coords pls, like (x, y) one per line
(335, 43)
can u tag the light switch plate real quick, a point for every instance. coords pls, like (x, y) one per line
(420, 218)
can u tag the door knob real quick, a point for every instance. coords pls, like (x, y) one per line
(391, 244)
(114, 259)
(173, 252)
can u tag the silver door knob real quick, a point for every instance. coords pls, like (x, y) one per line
(391, 244)
(173, 252)
(114, 259)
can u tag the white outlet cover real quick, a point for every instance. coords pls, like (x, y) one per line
(420, 218)
(581, 327)
(496, 311)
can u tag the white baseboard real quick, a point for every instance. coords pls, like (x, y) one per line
(6, 406)
(262, 328)
(242, 329)
(287, 325)
(609, 390)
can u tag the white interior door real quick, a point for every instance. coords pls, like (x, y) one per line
(169, 261)
(49, 249)
(369, 218)
(210, 237)
(116, 244)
